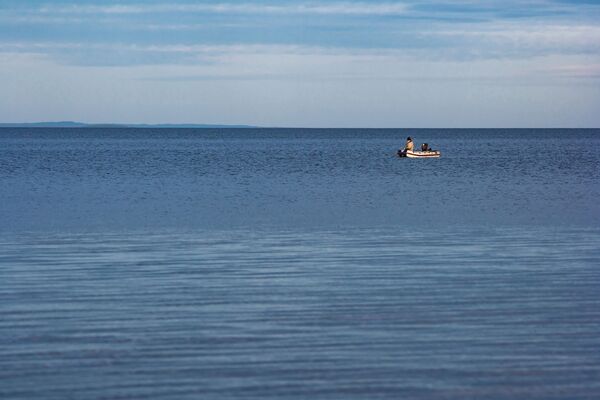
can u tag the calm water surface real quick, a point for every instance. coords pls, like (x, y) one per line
(94, 179)
(207, 264)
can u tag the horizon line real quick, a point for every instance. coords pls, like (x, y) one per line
(119, 125)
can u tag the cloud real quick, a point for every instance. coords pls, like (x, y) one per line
(296, 63)
(517, 39)
(578, 71)
(341, 8)
(436, 42)
(167, 41)
(436, 10)
(331, 63)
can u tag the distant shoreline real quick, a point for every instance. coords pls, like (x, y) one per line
(72, 124)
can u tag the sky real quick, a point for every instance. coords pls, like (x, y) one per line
(363, 64)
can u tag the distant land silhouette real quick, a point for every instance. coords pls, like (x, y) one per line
(73, 124)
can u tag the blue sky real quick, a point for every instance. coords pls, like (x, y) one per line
(303, 63)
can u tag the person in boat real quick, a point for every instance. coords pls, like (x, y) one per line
(408, 146)
(425, 147)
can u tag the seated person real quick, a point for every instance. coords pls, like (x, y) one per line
(425, 147)
(408, 146)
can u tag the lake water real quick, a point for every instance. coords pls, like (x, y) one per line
(293, 264)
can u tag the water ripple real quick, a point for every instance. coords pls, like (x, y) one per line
(388, 313)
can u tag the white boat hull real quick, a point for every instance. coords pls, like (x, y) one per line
(422, 154)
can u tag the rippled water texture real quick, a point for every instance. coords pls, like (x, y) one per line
(347, 314)
(94, 179)
(293, 264)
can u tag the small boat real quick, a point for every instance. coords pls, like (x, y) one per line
(419, 154)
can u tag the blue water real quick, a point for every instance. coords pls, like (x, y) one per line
(293, 264)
